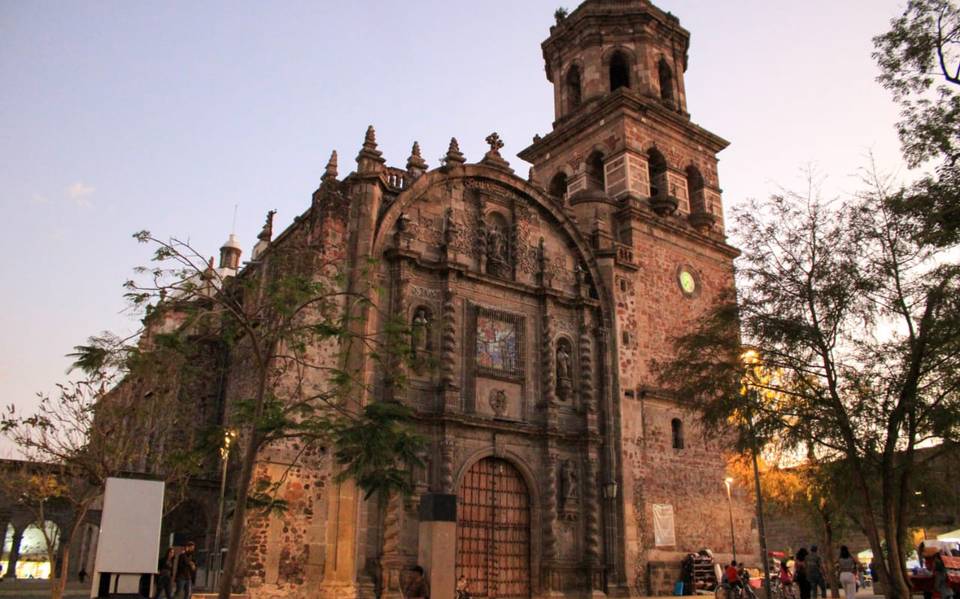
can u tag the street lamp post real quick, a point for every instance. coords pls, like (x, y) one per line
(733, 541)
(752, 358)
(229, 436)
(760, 524)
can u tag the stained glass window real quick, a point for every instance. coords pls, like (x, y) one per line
(497, 347)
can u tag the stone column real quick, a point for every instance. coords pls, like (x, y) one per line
(550, 583)
(340, 573)
(448, 349)
(592, 527)
(391, 561)
(14, 552)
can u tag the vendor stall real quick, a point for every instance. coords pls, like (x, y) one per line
(923, 581)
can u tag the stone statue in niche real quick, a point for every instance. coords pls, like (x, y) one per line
(568, 484)
(419, 332)
(498, 402)
(420, 344)
(498, 247)
(564, 370)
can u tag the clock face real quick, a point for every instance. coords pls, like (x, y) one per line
(687, 282)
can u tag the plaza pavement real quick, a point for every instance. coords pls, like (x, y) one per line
(31, 589)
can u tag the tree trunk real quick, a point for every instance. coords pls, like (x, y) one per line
(898, 585)
(58, 576)
(239, 513)
(829, 557)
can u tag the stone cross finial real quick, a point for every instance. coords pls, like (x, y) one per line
(454, 155)
(331, 170)
(495, 142)
(493, 157)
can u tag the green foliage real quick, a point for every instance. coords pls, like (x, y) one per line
(378, 449)
(919, 60)
(856, 323)
(298, 333)
(560, 14)
(263, 498)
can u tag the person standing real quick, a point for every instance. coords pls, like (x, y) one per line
(815, 572)
(463, 588)
(186, 572)
(941, 583)
(848, 567)
(417, 587)
(800, 574)
(165, 574)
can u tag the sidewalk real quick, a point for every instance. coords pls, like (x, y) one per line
(28, 589)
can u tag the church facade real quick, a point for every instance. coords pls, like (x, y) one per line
(542, 301)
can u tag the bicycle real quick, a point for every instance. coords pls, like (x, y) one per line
(779, 590)
(725, 590)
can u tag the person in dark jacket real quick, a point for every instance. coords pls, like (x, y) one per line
(800, 575)
(815, 573)
(417, 586)
(186, 572)
(165, 575)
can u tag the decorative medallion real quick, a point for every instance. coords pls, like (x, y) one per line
(498, 402)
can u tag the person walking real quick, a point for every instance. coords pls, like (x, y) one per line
(800, 574)
(815, 573)
(186, 572)
(848, 567)
(165, 575)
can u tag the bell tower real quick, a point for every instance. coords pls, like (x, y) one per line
(639, 177)
(622, 137)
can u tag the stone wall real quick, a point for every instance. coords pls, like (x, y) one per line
(285, 549)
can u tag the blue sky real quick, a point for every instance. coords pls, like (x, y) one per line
(119, 116)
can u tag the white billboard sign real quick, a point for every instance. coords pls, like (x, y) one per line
(130, 526)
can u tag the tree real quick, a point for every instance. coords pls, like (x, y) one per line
(293, 325)
(861, 323)
(74, 441)
(805, 492)
(919, 60)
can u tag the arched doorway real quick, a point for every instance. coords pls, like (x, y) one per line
(493, 531)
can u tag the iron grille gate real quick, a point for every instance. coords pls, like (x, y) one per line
(493, 531)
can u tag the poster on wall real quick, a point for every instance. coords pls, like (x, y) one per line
(663, 531)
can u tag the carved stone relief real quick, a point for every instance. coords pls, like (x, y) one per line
(427, 293)
(567, 539)
(564, 368)
(569, 490)
(498, 402)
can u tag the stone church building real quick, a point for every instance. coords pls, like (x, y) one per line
(556, 466)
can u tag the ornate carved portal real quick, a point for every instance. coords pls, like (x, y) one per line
(493, 531)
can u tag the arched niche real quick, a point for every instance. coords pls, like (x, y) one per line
(665, 76)
(618, 70)
(596, 178)
(573, 88)
(558, 186)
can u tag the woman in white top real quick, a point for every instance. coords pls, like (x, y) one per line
(848, 567)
